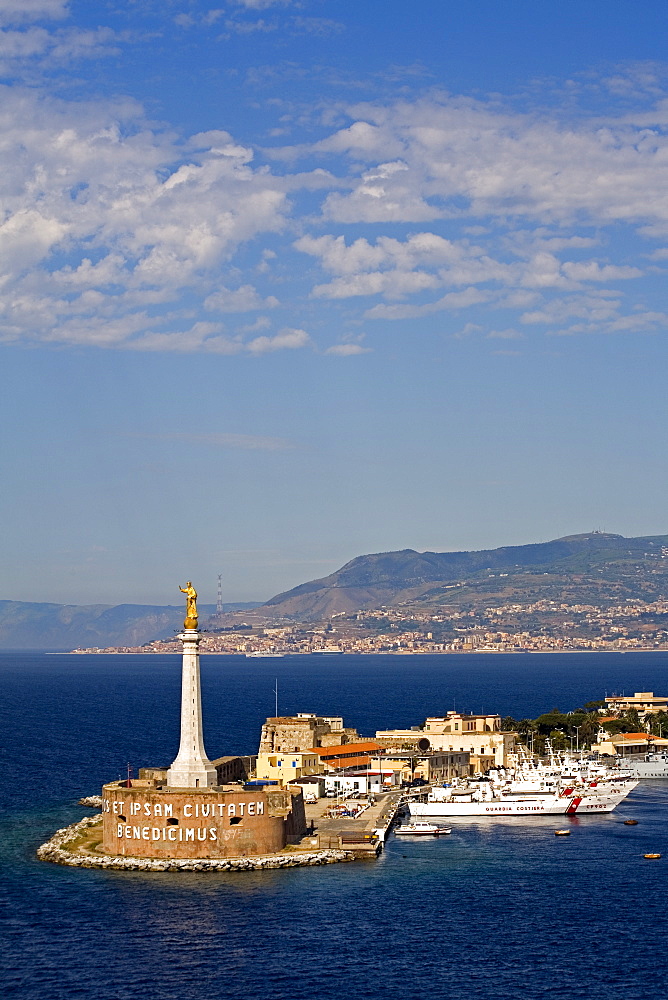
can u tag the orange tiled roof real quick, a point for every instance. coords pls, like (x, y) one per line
(348, 749)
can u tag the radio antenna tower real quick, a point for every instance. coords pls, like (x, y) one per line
(219, 598)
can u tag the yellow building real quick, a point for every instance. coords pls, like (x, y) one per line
(478, 735)
(629, 744)
(644, 702)
(288, 767)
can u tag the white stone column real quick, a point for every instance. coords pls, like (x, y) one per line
(191, 768)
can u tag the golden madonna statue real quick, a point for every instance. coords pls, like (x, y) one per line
(191, 605)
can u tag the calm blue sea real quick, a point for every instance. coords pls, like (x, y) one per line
(497, 911)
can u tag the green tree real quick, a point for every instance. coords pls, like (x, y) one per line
(658, 724)
(559, 740)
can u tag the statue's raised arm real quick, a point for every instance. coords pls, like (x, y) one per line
(191, 605)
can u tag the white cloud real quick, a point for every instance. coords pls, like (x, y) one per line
(386, 193)
(347, 350)
(262, 4)
(594, 308)
(466, 157)
(285, 339)
(17, 11)
(591, 270)
(453, 300)
(29, 51)
(244, 299)
(153, 218)
(117, 233)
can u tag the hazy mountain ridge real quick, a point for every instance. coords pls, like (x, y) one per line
(601, 566)
(27, 625)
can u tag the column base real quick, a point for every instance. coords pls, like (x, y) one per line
(188, 777)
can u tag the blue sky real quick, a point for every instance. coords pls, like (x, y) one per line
(286, 281)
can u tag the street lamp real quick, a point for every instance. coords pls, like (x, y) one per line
(577, 737)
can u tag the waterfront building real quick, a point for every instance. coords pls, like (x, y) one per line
(287, 767)
(366, 781)
(455, 722)
(480, 736)
(629, 744)
(434, 767)
(313, 787)
(644, 702)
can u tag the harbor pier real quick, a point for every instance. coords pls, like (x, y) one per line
(363, 834)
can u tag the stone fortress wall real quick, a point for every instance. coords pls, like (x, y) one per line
(148, 821)
(291, 733)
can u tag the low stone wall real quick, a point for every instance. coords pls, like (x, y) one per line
(56, 850)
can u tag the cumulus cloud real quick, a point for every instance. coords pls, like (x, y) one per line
(425, 262)
(285, 339)
(458, 155)
(153, 216)
(120, 234)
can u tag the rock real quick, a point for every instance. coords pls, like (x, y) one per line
(55, 850)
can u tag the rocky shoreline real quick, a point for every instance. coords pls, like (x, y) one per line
(92, 801)
(56, 851)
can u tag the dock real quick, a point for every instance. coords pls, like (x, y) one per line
(334, 828)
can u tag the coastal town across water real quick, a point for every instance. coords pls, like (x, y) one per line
(539, 626)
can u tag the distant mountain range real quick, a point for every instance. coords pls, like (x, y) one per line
(590, 568)
(24, 625)
(595, 568)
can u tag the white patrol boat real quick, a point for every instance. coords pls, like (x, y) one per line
(531, 788)
(421, 830)
(652, 765)
(482, 799)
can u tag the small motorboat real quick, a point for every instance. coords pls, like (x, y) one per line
(422, 830)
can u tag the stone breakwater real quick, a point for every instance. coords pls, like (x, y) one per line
(56, 850)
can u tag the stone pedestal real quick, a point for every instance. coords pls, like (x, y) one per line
(191, 768)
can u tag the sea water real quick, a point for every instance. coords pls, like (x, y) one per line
(499, 909)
